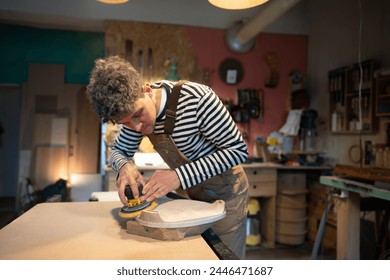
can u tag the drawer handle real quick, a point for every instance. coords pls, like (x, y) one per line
(254, 172)
(254, 186)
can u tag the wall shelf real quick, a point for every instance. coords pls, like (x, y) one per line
(351, 98)
(382, 94)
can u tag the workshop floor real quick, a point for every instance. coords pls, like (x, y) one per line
(287, 252)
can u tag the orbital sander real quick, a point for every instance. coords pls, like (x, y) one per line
(135, 206)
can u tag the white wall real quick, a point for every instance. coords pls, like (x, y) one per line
(333, 28)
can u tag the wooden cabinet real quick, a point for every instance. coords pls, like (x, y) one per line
(352, 99)
(382, 86)
(262, 181)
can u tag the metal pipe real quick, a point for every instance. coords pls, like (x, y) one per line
(269, 12)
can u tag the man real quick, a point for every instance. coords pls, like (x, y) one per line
(190, 128)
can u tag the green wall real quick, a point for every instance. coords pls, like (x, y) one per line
(23, 45)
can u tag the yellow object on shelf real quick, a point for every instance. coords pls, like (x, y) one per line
(253, 206)
(272, 141)
(253, 240)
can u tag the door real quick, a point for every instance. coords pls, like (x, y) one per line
(9, 140)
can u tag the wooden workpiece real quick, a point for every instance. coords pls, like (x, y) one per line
(88, 230)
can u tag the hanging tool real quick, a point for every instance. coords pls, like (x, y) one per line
(272, 62)
(150, 64)
(141, 63)
(135, 206)
(129, 51)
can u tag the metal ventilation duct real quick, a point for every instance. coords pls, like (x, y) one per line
(241, 36)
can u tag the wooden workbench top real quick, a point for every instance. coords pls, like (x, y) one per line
(88, 230)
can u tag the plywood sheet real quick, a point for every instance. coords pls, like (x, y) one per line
(46, 79)
(88, 230)
(26, 117)
(128, 39)
(45, 104)
(67, 105)
(59, 131)
(50, 165)
(41, 129)
(87, 153)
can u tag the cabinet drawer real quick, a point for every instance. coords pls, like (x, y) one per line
(261, 174)
(258, 188)
(262, 181)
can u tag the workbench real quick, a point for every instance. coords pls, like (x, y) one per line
(348, 194)
(263, 180)
(88, 231)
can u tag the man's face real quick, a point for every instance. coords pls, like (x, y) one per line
(143, 118)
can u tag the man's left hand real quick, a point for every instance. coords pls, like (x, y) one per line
(159, 184)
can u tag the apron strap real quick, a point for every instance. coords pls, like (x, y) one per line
(163, 143)
(170, 112)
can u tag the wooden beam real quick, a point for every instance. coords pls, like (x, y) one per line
(348, 227)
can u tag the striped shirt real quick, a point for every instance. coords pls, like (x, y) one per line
(204, 132)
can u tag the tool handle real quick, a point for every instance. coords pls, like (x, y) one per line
(129, 193)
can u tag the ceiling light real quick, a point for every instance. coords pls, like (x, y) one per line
(113, 1)
(236, 4)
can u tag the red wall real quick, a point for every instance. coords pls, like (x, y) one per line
(291, 51)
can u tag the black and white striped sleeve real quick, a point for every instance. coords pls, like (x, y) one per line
(124, 148)
(226, 146)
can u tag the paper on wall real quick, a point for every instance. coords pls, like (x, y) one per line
(291, 127)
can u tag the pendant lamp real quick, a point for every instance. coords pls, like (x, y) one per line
(236, 4)
(113, 1)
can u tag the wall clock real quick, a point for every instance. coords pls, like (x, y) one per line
(231, 71)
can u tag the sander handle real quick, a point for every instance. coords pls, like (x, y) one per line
(129, 193)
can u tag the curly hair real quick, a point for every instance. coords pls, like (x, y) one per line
(113, 88)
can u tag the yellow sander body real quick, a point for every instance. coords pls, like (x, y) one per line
(135, 206)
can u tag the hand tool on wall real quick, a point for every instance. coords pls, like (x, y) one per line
(150, 65)
(135, 205)
(141, 63)
(272, 62)
(129, 50)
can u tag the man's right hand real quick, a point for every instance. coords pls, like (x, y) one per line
(129, 176)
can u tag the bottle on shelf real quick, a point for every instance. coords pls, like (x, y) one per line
(379, 155)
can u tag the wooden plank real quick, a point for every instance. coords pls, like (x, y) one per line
(50, 165)
(268, 215)
(50, 129)
(365, 173)
(46, 79)
(41, 129)
(45, 104)
(88, 231)
(26, 116)
(348, 227)
(67, 105)
(87, 153)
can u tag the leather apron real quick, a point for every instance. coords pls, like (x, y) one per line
(231, 186)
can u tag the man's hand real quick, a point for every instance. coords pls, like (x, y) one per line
(159, 184)
(129, 176)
